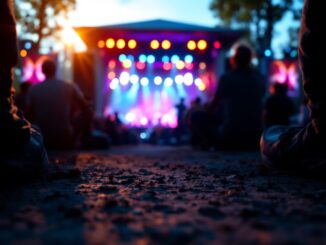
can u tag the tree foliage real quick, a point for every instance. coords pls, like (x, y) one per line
(42, 18)
(262, 13)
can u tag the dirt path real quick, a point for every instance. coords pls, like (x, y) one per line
(162, 195)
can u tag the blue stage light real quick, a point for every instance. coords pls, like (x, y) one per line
(131, 57)
(144, 81)
(150, 59)
(168, 82)
(28, 45)
(175, 58)
(122, 57)
(142, 58)
(189, 58)
(165, 59)
(158, 80)
(268, 53)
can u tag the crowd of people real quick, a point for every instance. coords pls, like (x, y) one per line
(234, 119)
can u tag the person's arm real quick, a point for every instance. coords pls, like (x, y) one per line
(312, 54)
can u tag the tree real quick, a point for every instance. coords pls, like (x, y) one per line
(42, 18)
(263, 14)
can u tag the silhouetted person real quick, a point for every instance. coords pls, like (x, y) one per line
(196, 117)
(21, 96)
(181, 125)
(237, 104)
(304, 148)
(22, 154)
(278, 107)
(53, 105)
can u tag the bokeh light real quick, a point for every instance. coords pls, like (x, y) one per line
(110, 43)
(132, 44)
(166, 44)
(191, 45)
(155, 44)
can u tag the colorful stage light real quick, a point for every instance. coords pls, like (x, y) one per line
(144, 81)
(130, 57)
(124, 78)
(111, 75)
(121, 43)
(217, 45)
(101, 44)
(202, 87)
(134, 79)
(191, 45)
(189, 58)
(179, 79)
(140, 65)
(126, 64)
(130, 117)
(202, 44)
(132, 44)
(112, 64)
(155, 44)
(23, 53)
(198, 81)
(189, 66)
(110, 43)
(122, 57)
(158, 80)
(114, 83)
(166, 44)
(202, 66)
(268, 53)
(150, 59)
(144, 121)
(165, 59)
(167, 66)
(142, 58)
(168, 82)
(180, 65)
(188, 79)
(175, 58)
(28, 45)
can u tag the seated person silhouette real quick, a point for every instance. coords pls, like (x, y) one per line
(302, 149)
(278, 107)
(53, 106)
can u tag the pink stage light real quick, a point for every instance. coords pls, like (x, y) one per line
(167, 66)
(140, 65)
(217, 45)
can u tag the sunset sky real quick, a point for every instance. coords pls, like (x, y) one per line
(106, 12)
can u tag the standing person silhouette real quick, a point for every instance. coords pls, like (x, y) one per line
(303, 149)
(21, 153)
(238, 103)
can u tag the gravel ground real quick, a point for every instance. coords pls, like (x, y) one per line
(163, 195)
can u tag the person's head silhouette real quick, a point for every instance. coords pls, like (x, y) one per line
(49, 68)
(242, 57)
